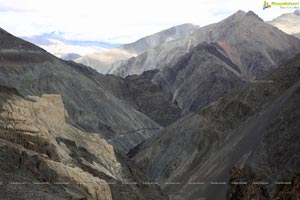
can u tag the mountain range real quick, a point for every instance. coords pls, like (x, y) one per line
(109, 61)
(182, 114)
(56, 44)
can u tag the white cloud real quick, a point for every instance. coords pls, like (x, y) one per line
(117, 20)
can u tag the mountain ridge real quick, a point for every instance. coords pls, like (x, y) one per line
(221, 32)
(33, 71)
(55, 43)
(240, 127)
(108, 61)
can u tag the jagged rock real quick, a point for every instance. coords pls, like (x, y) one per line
(289, 191)
(242, 185)
(286, 189)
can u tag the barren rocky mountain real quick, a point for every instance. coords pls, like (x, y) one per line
(242, 36)
(47, 158)
(241, 48)
(89, 97)
(288, 23)
(256, 125)
(108, 61)
(186, 112)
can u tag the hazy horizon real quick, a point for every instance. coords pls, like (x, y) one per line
(118, 21)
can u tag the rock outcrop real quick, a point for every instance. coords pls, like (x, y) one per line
(41, 151)
(290, 190)
(245, 184)
(242, 185)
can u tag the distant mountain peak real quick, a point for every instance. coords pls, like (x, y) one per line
(238, 14)
(297, 12)
(253, 14)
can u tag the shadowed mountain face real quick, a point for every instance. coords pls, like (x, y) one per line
(256, 125)
(199, 77)
(54, 160)
(108, 61)
(139, 92)
(91, 105)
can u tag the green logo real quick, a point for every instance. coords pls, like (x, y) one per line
(282, 4)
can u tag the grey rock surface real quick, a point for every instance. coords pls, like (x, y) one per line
(199, 77)
(256, 125)
(91, 106)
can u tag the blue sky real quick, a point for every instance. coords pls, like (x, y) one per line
(118, 21)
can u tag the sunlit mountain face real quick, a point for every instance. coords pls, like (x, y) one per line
(288, 23)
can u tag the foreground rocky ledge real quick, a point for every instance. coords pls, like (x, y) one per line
(43, 157)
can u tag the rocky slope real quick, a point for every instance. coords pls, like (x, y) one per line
(108, 61)
(43, 157)
(288, 23)
(231, 53)
(89, 100)
(139, 92)
(256, 125)
(199, 77)
(287, 188)
(237, 52)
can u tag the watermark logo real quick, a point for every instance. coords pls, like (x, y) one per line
(266, 5)
(282, 4)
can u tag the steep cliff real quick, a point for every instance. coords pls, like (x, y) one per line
(43, 157)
